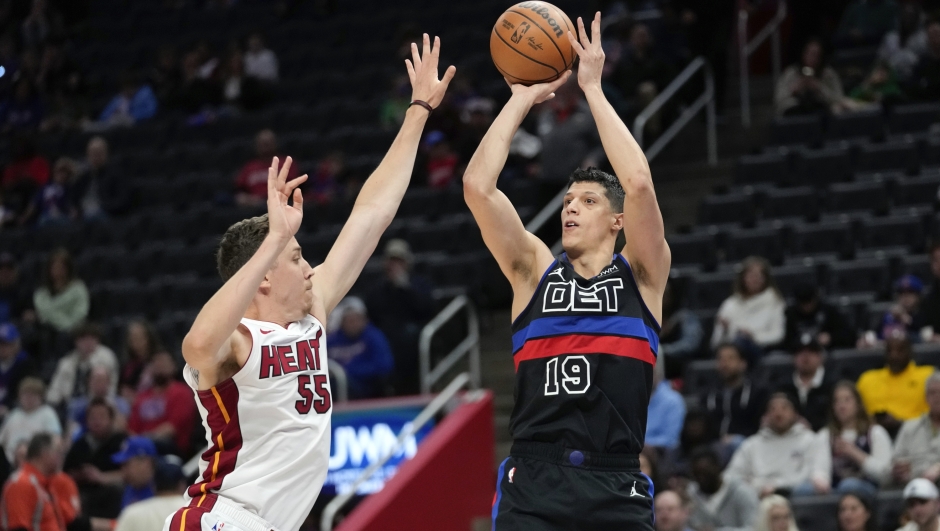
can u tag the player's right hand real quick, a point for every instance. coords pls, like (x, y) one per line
(284, 219)
(541, 91)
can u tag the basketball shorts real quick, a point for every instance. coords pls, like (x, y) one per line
(543, 487)
(215, 514)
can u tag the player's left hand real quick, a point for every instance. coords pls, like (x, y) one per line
(590, 52)
(422, 70)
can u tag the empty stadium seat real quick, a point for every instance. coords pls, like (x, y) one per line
(801, 201)
(913, 118)
(822, 238)
(849, 364)
(890, 505)
(816, 512)
(788, 276)
(765, 242)
(776, 369)
(867, 124)
(709, 289)
(700, 376)
(920, 190)
(822, 167)
(852, 197)
(917, 265)
(889, 156)
(894, 231)
(790, 130)
(729, 208)
(696, 249)
(927, 354)
(858, 277)
(764, 168)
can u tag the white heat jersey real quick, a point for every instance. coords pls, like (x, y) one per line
(268, 426)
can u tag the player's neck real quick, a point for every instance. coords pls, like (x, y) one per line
(259, 312)
(589, 264)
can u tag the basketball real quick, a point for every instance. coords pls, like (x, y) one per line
(529, 43)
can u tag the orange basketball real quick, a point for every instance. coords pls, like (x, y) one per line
(529, 43)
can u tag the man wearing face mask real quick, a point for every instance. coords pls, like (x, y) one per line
(165, 412)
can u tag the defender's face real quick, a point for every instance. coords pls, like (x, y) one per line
(290, 281)
(586, 219)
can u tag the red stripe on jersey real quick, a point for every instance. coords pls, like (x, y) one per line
(221, 403)
(550, 347)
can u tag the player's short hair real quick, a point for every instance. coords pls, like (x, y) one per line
(239, 243)
(612, 188)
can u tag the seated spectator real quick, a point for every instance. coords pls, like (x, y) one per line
(62, 301)
(23, 505)
(905, 315)
(71, 375)
(441, 165)
(99, 191)
(169, 484)
(164, 77)
(16, 298)
(902, 47)
(917, 449)
(737, 406)
(323, 186)
(681, 335)
(166, 411)
(140, 345)
(400, 305)
(930, 303)
(755, 310)
(861, 449)
(135, 102)
(568, 133)
(811, 315)
(672, 512)
(880, 88)
(666, 412)
(783, 456)
(923, 508)
(53, 204)
(855, 513)
(895, 393)
(260, 61)
(241, 91)
(640, 75)
(810, 389)
(32, 416)
(251, 184)
(810, 86)
(25, 174)
(15, 365)
(137, 458)
(865, 22)
(196, 90)
(925, 79)
(774, 514)
(722, 504)
(89, 461)
(24, 111)
(100, 387)
(361, 348)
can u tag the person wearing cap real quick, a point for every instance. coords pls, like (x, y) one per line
(917, 448)
(30, 417)
(810, 387)
(71, 375)
(400, 305)
(895, 392)
(821, 320)
(16, 299)
(905, 313)
(15, 364)
(137, 458)
(169, 483)
(27, 502)
(360, 348)
(783, 455)
(923, 507)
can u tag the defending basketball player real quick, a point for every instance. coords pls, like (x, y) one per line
(256, 353)
(585, 324)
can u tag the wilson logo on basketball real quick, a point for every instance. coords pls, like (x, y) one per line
(542, 11)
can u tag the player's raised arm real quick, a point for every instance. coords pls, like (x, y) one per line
(208, 342)
(383, 191)
(646, 247)
(521, 256)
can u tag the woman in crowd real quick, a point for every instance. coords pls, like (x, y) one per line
(855, 513)
(61, 303)
(774, 514)
(755, 310)
(140, 344)
(809, 86)
(861, 449)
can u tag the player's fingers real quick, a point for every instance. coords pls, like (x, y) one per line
(415, 56)
(553, 86)
(293, 184)
(431, 57)
(411, 71)
(448, 76)
(596, 29)
(426, 46)
(575, 44)
(272, 177)
(298, 200)
(585, 42)
(282, 176)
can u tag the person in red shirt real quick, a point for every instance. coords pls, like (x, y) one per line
(166, 411)
(27, 504)
(251, 185)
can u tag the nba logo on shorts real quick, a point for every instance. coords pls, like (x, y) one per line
(512, 472)
(218, 526)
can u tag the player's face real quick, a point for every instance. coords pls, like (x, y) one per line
(586, 219)
(290, 282)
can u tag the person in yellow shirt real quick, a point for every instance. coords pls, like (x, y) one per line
(895, 392)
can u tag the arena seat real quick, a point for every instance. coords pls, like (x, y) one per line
(816, 512)
(819, 238)
(912, 118)
(917, 265)
(801, 201)
(927, 354)
(888, 156)
(788, 276)
(859, 276)
(698, 249)
(918, 190)
(869, 124)
(890, 505)
(776, 369)
(853, 197)
(822, 166)
(849, 364)
(729, 208)
(893, 231)
(765, 242)
(700, 376)
(710, 289)
(762, 168)
(791, 130)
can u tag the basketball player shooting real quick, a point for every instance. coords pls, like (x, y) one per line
(585, 324)
(256, 353)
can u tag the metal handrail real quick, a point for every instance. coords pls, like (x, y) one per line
(771, 31)
(339, 383)
(432, 409)
(705, 101)
(469, 347)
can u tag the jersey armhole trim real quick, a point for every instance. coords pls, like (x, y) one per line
(251, 347)
(639, 295)
(536, 292)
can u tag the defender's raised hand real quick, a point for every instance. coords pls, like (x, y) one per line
(422, 70)
(590, 52)
(284, 219)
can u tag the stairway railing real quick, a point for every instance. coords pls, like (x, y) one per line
(746, 49)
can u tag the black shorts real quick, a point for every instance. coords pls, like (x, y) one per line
(542, 487)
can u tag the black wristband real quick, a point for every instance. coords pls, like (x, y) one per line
(422, 103)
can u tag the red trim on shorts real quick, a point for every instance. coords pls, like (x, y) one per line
(221, 404)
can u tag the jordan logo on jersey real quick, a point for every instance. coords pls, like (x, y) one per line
(568, 296)
(277, 360)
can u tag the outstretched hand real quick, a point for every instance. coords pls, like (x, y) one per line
(590, 52)
(422, 70)
(541, 91)
(284, 219)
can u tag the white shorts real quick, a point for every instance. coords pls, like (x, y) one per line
(215, 514)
